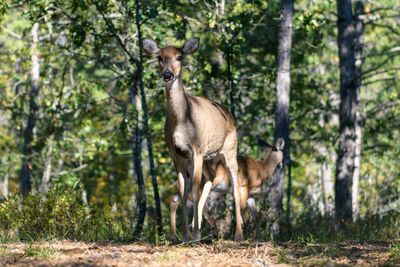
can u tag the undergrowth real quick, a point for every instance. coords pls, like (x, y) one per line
(61, 214)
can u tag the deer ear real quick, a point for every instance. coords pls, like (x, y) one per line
(262, 143)
(150, 46)
(280, 144)
(191, 46)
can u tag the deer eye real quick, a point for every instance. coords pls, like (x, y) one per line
(179, 58)
(159, 58)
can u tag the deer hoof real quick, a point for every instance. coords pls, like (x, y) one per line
(196, 236)
(173, 238)
(239, 237)
(185, 239)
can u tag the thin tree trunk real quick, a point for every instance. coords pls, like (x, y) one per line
(44, 186)
(282, 110)
(137, 159)
(25, 176)
(326, 180)
(358, 50)
(146, 123)
(347, 112)
(288, 198)
(4, 186)
(325, 171)
(230, 79)
(220, 13)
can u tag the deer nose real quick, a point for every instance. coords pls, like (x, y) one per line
(167, 75)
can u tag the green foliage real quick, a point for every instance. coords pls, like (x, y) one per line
(85, 105)
(3, 9)
(61, 214)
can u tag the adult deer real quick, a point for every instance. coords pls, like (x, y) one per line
(196, 128)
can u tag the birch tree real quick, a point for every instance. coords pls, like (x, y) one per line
(25, 175)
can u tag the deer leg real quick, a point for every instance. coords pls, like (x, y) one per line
(173, 206)
(231, 164)
(197, 170)
(183, 191)
(202, 201)
(251, 204)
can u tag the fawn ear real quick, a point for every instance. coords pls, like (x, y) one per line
(150, 46)
(280, 144)
(191, 46)
(262, 143)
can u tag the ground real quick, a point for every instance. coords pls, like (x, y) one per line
(217, 253)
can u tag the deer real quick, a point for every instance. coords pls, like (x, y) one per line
(196, 128)
(251, 175)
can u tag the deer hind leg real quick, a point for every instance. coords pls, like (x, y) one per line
(203, 198)
(251, 204)
(173, 206)
(197, 171)
(231, 164)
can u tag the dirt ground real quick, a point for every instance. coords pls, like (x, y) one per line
(218, 253)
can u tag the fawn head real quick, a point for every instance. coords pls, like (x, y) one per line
(274, 153)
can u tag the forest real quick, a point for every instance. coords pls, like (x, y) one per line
(88, 177)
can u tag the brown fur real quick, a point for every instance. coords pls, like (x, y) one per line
(196, 128)
(251, 175)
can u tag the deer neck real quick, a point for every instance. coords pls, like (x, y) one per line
(268, 167)
(177, 101)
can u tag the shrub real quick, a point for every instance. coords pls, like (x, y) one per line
(61, 214)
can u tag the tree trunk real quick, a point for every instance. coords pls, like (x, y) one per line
(4, 186)
(230, 79)
(327, 156)
(358, 51)
(146, 124)
(282, 110)
(137, 159)
(326, 179)
(44, 186)
(25, 176)
(347, 112)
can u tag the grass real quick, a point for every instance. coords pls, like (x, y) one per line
(39, 252)
(394, 251)
(219, 252)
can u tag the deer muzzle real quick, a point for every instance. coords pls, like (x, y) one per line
(167, 75)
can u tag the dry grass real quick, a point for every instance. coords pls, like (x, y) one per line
(218, 253)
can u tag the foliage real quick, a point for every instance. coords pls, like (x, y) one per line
(88, 51)
(61, 214)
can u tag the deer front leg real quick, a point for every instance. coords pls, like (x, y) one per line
(197, 170)
(183, 185)
(231, 164)
(173, 206)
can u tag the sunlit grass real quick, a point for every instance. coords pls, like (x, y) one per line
(39, 252)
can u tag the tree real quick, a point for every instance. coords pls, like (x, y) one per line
(282, 119)
(358, 54)
(137, 157)
(349, 107)
(146, 120)
(25, 176)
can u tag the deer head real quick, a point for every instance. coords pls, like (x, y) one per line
(170, 57)
(273, 153)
